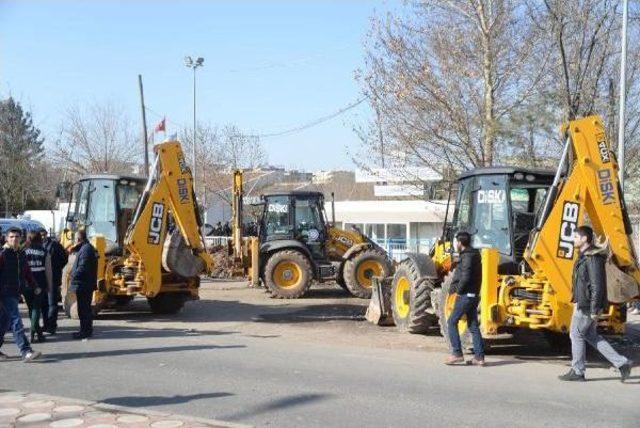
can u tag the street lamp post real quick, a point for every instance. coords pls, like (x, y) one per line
(623, 90)
(194, 64)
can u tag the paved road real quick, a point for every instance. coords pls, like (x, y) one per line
(240, 357)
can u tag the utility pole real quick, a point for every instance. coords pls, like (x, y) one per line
(194, 64)
(145, 141)
(623, 81)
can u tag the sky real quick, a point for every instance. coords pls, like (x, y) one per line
(269, 66)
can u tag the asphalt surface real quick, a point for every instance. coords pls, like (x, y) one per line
(239, 356)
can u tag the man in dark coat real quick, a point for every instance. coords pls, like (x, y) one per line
(58, 259)
(84, 276)
(466, 283)
(589, 297)
(15, 276)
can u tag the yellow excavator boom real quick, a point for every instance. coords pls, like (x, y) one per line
(168, 205)
(586, 183)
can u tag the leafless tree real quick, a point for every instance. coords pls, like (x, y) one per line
(97, 138)
(445, 78)
(219, 151)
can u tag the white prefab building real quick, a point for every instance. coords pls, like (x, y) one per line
(399, 226)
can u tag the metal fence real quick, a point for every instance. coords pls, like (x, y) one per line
(215, 241)
(397, 249)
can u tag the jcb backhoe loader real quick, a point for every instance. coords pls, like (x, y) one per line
(524, 221)
(297, 245)
(147, 236)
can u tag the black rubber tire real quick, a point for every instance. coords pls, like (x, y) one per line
(303, 284)
(120, 301)
(350, 273)
(465, 338)
(421, 316)
(166, 303)
(340, 277)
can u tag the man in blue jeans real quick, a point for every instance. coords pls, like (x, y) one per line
(14, 274)
(466, 282)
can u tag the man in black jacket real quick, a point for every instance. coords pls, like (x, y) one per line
(58, 259)
(589, 297)
(83, 282)
(467, 279)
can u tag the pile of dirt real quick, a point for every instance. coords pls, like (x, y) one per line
(222, 263)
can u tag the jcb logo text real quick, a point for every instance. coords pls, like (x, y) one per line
(570, 212)
(155, 225)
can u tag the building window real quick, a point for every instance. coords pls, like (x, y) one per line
(375, 231)
(397, 232)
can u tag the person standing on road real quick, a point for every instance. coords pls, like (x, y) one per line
(467, 279)
(57, 258)
(589, 297)
(35, 296)
(14, 275)
(83, 282)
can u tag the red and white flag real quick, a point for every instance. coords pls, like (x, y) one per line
(160, 126)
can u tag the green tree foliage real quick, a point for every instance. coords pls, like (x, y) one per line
(21, 152)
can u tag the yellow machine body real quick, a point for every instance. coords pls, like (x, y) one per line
(153, 261)
(344, 255)
(588, 193)
(585, 190)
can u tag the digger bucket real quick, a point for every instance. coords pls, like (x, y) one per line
(178, 257)
(379, 310)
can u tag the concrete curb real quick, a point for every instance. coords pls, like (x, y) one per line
(131, 410)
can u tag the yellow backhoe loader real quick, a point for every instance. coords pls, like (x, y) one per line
(147, 236)
(524, 220)
(296, 245)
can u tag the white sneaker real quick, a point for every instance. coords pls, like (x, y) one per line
(635, 311)
(31, 356)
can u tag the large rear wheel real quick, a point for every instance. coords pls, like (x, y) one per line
(288, 274)
(411, 299)
(360, 269)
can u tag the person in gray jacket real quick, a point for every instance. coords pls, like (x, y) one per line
(589, 297)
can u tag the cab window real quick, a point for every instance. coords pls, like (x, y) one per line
(276, 219)
(101, 217)
(491, 214)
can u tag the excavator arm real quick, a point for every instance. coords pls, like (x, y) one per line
(586, 185)
(168, 207)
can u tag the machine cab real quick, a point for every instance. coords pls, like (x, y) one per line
(104, 205)
(296, 216)
(499, 208)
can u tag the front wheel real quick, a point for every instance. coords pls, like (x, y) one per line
(288, 274)
(360, 269)
(411, 299)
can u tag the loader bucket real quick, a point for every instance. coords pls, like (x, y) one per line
(379, 310)
(178, 258)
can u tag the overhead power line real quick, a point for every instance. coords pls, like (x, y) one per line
(313, 123)
(289, 131)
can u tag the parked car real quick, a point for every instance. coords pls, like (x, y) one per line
(25, 225)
